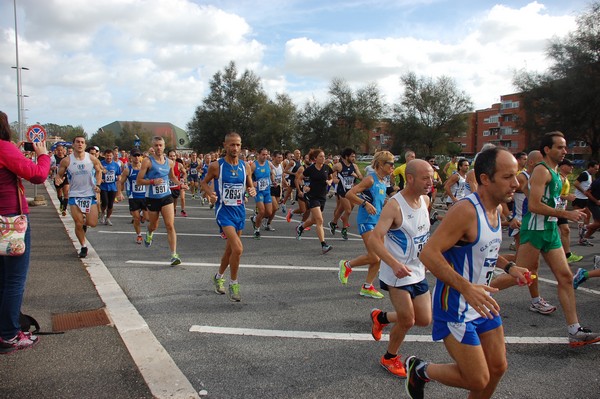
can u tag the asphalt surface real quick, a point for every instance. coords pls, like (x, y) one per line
(297, 332)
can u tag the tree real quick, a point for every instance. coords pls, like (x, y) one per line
(353, 113)
(66, 132)
(126, 139)
(566, 97)
(276, 124)
(104, 139)
(233, 104)
(429, 112)
(314, 126)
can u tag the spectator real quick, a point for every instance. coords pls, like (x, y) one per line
(13, 269)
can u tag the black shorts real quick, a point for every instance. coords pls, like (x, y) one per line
(137, 204)
(175, 193)
(64, 183)
(315, 202)
(156, 204)
(560, 221)
(107, 199)
(580, 203)
(595, 209)
(276, 192)
(389, 191)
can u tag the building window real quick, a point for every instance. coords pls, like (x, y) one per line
(486, 132)
(514, 144)
(506, 130)
(509, 104)
(492, 119)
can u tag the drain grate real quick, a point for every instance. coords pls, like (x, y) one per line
(73, 321)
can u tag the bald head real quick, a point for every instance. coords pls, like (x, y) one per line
(417, 167)
(419, 177)
(533, 158)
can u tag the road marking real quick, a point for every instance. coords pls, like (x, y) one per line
(245, 266)
(161, 374)
(352, 336)
(217, 235)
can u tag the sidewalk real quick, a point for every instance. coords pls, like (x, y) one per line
(90, 362)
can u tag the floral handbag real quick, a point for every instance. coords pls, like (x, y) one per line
(12, 232)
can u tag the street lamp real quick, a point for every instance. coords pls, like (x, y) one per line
(19, 68)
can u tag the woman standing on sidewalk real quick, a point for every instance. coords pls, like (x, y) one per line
(13, 269)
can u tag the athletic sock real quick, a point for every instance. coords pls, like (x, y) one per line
(218, 275)
(421, 371)
(568, 255)
(382, 318)
(389, 356)
(573, 328)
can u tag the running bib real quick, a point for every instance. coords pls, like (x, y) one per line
(109, 177)
(138, 189)
(263, 184)
(419, 242)
(161, 189)
(558, 202)
(233, 194)
(193, 171)
(347, 181)
(84, 204)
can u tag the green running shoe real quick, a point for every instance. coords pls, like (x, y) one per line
(219, 285)
(175, 260)
(234, 292)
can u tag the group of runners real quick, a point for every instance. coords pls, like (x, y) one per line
(394, 223)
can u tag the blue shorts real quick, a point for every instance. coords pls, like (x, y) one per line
(465, 333)
(231, 216)
(83, 203)
(365, 228)
(416, 289)
(264, 196)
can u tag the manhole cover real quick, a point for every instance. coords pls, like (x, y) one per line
(73, 321)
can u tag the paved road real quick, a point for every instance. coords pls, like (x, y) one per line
(275, 341)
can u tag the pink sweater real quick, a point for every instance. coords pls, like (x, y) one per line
(12, 164)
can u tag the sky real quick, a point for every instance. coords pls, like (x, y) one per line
(94, 62)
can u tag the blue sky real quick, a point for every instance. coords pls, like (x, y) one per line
(92, 63)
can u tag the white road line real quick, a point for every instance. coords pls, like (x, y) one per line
(352, 336)
(244, 266)
(163, 377)
(217, 235)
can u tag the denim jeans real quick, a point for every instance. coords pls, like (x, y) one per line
(13, 274)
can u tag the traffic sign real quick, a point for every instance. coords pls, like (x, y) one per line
(36, 133)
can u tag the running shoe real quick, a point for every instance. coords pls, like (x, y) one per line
(326, 248)
(257, 234)
(83, 253)
(23, 340)
(283, 209)
(63, 212)
(579, 277)
(513, 246)
(211, 206)
(175, 260)
(596, 262)
(344, 233)
(108, 222)
(370, 292)
(148, 239)
(139, 240)
(288, 217)
(583, 336)
(433, 217)
(344, 272)
(101, 219)
(376, 326)
(183, 213)
(394, 366)
(574, 258)
(585, 243)
(219, 284)
(542, 307)
(332, 228)
(269, 228)
(307, 228)
(253, 220)
(234, 292)
(415, 385)
(298, 232)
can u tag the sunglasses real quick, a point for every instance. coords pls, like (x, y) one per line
(389, 163)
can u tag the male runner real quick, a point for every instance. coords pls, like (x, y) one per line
(62, 190)
(398, 238)
(108, 188)
(400, 170)
(277, 187)
(462, 254)
(539, 234)
(193, 173)
(455, 185)
(156, 172)
(345, 172)
(84, 173)
(582, 184)
(262, 175)
(135, 193)
(232, 179)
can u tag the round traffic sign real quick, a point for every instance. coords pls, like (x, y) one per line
(36, 133)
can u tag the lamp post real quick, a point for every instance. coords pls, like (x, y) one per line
(20, 106)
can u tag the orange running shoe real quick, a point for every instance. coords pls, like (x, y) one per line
(394, 366)
(376, 326)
